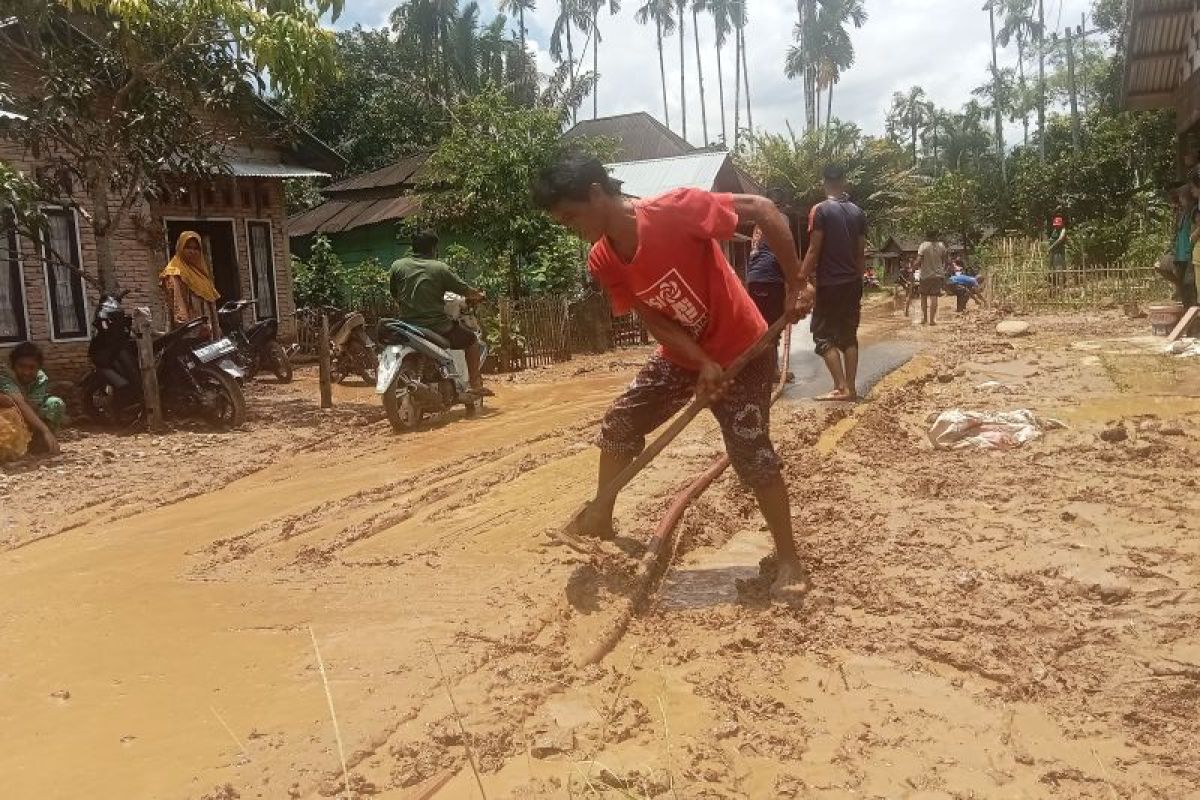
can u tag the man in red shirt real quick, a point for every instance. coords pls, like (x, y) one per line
(662, 258)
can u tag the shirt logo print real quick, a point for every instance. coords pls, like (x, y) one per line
(673, 296)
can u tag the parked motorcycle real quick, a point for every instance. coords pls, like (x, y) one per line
(420, 374)
(258, 346)
(351, 350)
(195, 378)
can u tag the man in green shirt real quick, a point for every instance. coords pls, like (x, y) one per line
(419, 284)
(27, 388)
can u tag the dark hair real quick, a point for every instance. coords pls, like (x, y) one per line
(570, 177)
(25, 350)
(424, 243)
(835, 173)
(932, 235)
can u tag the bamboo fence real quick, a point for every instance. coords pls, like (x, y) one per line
(1017, 273)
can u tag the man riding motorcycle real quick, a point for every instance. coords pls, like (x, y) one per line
(419, 284)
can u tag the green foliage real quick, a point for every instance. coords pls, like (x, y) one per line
(19, 197)
(318, 280)
(123, 87)
(951, 205)
(558, 264)
(880, 178)
(1111, 192)
(478, 185)
(365, 283)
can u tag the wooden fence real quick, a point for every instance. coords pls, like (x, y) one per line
(1017, 273)
(530, 332)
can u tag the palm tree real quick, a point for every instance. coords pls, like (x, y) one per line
(990, 7)
(721, 27)
(680, 7)
(910, 111)
(835, 52)
(518, 7)
(614, 6)
(570, 14)
(801, 59)
(1019, 25)
(737, 19)
(697, 7)
(661, 14)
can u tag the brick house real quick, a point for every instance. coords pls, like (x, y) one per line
(240, 215)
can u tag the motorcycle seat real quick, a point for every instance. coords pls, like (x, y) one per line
(432, 336)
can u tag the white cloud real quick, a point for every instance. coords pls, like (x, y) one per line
(941, 45)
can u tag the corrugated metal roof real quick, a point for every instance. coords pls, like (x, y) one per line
(1155, 52)
(655, 176)
(406, 170)
(251, 169)
(336, 216)
(639, 136)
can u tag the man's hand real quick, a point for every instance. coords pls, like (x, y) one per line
(711, 383)
(51, 442)
(800, 302)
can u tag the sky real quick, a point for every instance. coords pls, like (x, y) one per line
(940, 45)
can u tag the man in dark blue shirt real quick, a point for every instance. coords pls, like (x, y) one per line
(837, 259)
(765, 283)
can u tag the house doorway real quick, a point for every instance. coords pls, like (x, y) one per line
(220, 251)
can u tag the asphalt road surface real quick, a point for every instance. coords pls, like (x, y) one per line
(876, 358)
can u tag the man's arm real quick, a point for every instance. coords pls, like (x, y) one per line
(675, 338)
(775, 229)
(453, 283)
(861, 255)
(812, 256)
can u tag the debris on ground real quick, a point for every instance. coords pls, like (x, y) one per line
(956, 429)
(1012, 328)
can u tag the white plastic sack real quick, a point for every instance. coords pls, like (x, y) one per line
(1184, 348)
(956, 429)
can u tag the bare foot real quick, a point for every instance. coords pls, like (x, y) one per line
(836, 396)
(792, 583)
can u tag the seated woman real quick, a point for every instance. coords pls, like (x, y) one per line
(27, 389)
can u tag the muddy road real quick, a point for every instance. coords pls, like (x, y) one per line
(1014, 624)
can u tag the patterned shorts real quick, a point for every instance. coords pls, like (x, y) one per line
(662, 388)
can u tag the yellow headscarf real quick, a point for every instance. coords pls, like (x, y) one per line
(198, 280)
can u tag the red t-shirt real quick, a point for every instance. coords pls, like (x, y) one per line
(680, 271)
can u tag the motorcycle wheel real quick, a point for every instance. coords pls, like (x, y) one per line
(97, 400)
(280, 363)
(364, 360)
(230, 410)
(402, 410)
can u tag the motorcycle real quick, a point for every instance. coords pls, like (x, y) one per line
(258, 346)
(195, 379)
(419, 372)
(351, 350)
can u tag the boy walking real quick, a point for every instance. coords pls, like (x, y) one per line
(837, 259)
(662, 258)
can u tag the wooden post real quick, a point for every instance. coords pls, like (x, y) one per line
(145, 344)
(323, 361)
(506, 355)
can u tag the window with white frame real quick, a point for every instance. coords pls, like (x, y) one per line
(64, 275)
(262, 268)
(12, 288)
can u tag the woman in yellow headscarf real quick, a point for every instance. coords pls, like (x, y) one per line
(188, 286)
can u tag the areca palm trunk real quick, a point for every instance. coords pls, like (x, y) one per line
(1021, 70)
(829, 103)
(746, 80)
(682, 70)
(1042, 78)
(662, 71)
(721, 94)
(737, 89)
(595, 58)
(700, 74)
(997, 98)
(571, 71)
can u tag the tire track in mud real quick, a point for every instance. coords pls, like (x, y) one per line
(451, 479)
